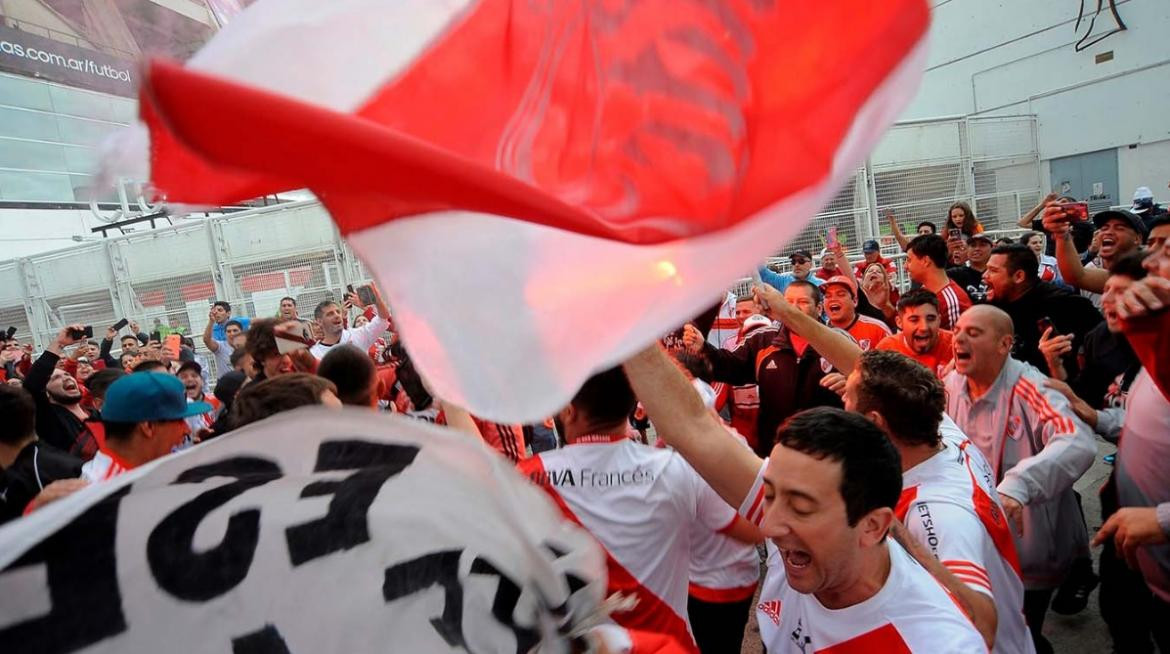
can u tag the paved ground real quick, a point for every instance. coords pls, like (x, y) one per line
(1075, 634)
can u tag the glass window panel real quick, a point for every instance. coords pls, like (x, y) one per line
(35, 187)
(22, 92)
(84, 190)
(28, 124)
(73, 102)
(31, 155)
(80, 159)
(84, 132)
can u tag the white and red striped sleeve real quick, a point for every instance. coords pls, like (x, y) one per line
(752, 508)
(955, 537)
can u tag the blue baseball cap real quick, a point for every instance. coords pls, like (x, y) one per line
(871, 246)
(147, 396)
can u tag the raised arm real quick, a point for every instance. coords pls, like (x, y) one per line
(837, 348)
(681, 419)
(903, 242)
(1026, 219)
(208, 340)
(1071, 269)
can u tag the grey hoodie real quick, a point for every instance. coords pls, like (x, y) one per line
(1037, 448)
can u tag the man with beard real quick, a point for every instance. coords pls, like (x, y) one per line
(841, 308)
(191, 374)
(27, 465)
(1120, 232)
(919, 336)
(331, 318)
(60, 416)
(969, 277)
(1015, 287)
(926, 261)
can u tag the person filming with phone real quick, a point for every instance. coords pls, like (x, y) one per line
(1120, 232)
(331, 318)
(60, 415)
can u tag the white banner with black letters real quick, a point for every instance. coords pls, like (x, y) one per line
(314, 531)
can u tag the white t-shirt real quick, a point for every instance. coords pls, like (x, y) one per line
(950, 505)
(722, 568)
(640, 503)
(911, 613)
(363, 337)
(223, 358)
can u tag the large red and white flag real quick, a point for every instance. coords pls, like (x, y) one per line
(542, 188)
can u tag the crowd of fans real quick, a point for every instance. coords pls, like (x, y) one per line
(903, 458)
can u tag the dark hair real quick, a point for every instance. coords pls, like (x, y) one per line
(352, 371)
(970, 223)
(931, 246)
(1020, 258)
(236, 355)
(260, 400)
(261, 340)
(1160, 221)
(290, 299)
(927, 223)
(118, 431)
(235, 322)
(1130, 265)
(126, 336)
(905, 393)
(871, 469)
(220, 303)
(101, 380)
(147, 365)
(1027, 236)
(321, 306)
(916, 298)
(816, 290)
(606, 397)
(125, 355)
(20, 414)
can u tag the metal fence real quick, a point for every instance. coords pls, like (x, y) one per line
(168, 277)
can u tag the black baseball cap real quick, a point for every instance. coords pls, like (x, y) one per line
(801, 253)
(1128, 217)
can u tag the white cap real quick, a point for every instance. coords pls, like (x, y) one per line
(1143, 193)
(754, 322)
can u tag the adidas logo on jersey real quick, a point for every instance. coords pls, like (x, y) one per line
(771, 366)
(772, 610)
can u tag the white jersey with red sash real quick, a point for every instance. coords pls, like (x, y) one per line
(104, 465)
(910, 613)
(640, 503)
(949, 504)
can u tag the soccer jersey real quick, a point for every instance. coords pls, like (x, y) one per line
(952, 301)
(102, 466)
(910, 613)
(361, 337)
(868, 332)
(936, 360)
(950, 505)
(745, 400)
(640, 503)
(722, 568)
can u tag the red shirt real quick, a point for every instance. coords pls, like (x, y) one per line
(936, 359)
(952, 301)
(859, 268)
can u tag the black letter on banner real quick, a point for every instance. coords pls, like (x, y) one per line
(344, 526)
(265, 641)
(193, 576)
(415, 575)
(504, 605)
(82, 574)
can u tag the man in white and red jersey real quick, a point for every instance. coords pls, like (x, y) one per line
(1036, 446)
(331, 318)
(145, 418)
(920, 337)
(191, 375)
(948, 502)
(639, 502)
(926, 261)
(825, 501)
(840, 300)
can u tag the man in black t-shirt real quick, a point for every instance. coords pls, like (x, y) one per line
(969, 276)
(28, 464)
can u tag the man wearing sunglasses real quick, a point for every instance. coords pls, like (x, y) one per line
(801, 261)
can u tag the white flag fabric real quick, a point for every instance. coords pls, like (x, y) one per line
(514, 172)
(313, 531)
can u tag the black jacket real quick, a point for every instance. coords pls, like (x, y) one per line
(787, 383)
(56, 425)
(1106, 360)
(1070, 314)
(37, 466)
